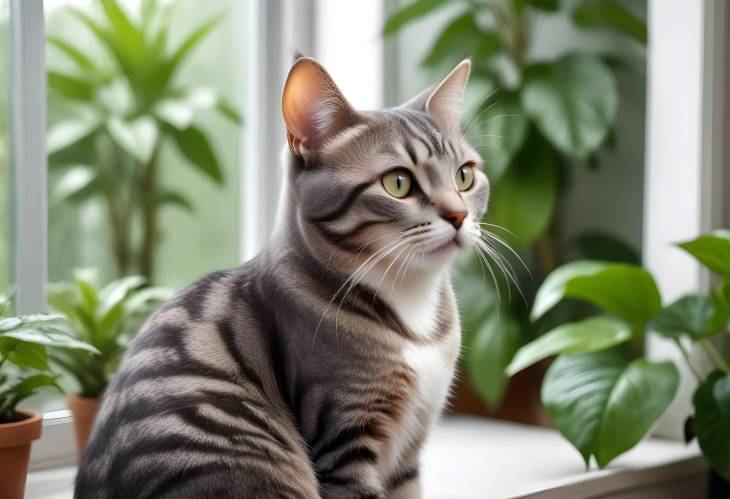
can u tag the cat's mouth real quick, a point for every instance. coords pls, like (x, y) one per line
(448, 246)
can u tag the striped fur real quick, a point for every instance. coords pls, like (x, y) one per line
(317, 368)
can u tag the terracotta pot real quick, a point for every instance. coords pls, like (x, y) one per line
(15, 440)
(84, 411)
(521, 401)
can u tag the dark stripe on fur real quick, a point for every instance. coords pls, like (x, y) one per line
(346, 204)
(401, 477)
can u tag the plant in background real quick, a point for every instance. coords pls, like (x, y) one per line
(24, 358)
(545, 118)
(107, 318)
(601, 395)
(127, 103)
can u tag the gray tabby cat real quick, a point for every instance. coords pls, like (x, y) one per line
(317, 368)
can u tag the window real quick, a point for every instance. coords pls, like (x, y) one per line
(5, 164)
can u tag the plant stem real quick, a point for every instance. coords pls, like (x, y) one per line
(714, 355)
(148, 192)
(685, 354)
(546, 253)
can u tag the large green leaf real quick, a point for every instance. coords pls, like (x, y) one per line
(501, 130)
(595, 245)
(462, 38)
(553, 287)
(82, 60)
(409, 13)
(72, 87)
(487, 354)
(195, 146)
(524, 199)
(693, 315)
(572, 101)
(588, 335)
(625, 290)
(605, 405)
(612, 15)
(712, 421)
(137, 137)
(117, 291)
(23, 354)
(712, 250)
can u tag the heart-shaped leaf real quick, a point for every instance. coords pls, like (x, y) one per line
(712, 250)
(603, 404)
(712, 421)
(692, 315)
(588, 335)
(552, 289)
(612, 15)
(572, 101)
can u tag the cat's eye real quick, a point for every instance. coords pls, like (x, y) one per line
(464, 177)
(398, 182)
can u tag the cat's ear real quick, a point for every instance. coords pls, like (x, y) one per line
(314, 108)
(443, 101)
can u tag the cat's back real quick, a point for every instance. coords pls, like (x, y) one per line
(190, 395)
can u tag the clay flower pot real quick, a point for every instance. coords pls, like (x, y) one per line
(84, 411)
(15, 440)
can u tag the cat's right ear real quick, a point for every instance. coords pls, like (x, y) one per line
(314, 108)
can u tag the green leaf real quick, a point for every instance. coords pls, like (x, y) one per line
(194, 145)
(26, 355)
(604, 405)
(532, 180)
(572, 101)
(76, 184)
(546, 5)
(72, 87)
(625, 290)
(712, 250)
(409, 13)
(596, 245)
(52, 338)
(490, 350)
(185, 48)
(83, 61)
(117, 291)
(502, 130)
(712, 421)
(462, 38)
(69, 132)
(29, 386)
(612, 15)
(138, 137)
(552, 289)
(227, 110)
(691, 315)
(167, 197)
(588, 335)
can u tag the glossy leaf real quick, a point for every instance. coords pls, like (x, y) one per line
(194, 145)
(533, 180)
(52, 338)
(117, 291)
(490, 350)
(588, 335)
(462, 38)
(712, 421)
(553, 287)
(25, 355)
(501, 130)
(605, 405)
(612, 15)
(712, 250)
(409, 13)
(691, 315)
(572, 101)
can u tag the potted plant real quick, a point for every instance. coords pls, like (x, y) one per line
(600, 393)
(107, 318)
(24, 371)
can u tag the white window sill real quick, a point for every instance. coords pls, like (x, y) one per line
(470, 458)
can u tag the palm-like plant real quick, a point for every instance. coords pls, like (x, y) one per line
(107, 318)
(126, 104)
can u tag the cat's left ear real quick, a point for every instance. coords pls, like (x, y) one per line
(443, 102)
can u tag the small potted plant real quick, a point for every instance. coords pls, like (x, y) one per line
(600, 393)
(108, 318)
(24, 371)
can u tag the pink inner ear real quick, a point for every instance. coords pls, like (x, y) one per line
(444, 103)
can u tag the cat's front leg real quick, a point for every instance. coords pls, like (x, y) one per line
(352, 475)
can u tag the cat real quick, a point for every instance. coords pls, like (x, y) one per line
(317, 368)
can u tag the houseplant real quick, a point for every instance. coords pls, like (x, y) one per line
(126, 104)
(108, 318)
(601, 394)
(24, 371)
(533, 139)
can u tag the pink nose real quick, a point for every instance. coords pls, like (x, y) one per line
(455, 218)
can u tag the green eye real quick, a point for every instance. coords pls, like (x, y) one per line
(464, 177)
(398, 182)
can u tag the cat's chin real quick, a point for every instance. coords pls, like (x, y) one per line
(443, 254)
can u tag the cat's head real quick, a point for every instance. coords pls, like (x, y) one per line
(391, 186)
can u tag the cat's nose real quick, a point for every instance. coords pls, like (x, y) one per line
(455, 218)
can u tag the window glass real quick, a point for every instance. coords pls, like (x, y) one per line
(5, 171)
(144, 137)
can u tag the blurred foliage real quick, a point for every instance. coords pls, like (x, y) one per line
(127, 102)
(25, 342)
(106, 317)
(544, 119)
(605, 401)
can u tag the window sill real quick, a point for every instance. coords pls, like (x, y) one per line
(475, 458)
